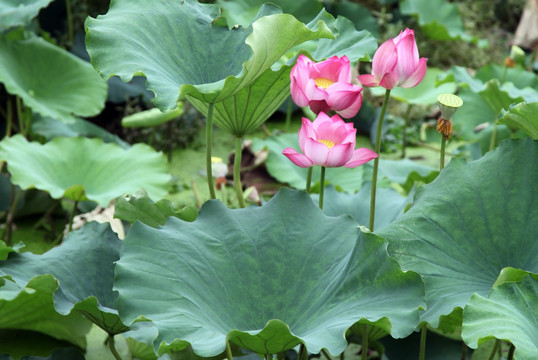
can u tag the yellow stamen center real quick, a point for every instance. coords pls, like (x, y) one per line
(323, 82)
(327, 143)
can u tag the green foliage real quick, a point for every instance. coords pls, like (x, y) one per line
(19, 12)
(509, 312)
(81, 168)
(225, 274)
(523, 116)
(54, 83)
(458, 236)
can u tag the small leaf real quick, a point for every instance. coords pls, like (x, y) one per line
(139, 206)
(523, 116)
(66, 166)
(152, 117)
(19, 12)
(54, 82)
(84, 267)
(510, 312)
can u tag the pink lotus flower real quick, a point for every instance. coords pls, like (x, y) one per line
(396, 63)
(325, 86)
(330, 142)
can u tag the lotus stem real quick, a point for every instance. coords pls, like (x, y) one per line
(20, 116)
(72, 216)
(493, 134)
(112, 347)
(494, 350)
(463, 351)
(326, 354)
(442, 160)
(237, 172)
(288, 114)
(70, 31)
(364, 347)
(228, 351)
(376, 160)
(308, 179)
(302, 351)
(406, 124)
(208, 143)
(511, 352)
(268, 356)
(9, 118)
(11, 214)
(321, 186)
(423, 332)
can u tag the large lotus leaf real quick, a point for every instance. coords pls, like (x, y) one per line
(49, 80)
(84, 267)
(468, 224)
(19, 12)
(424, 93)
(265, 278)
(510, 312)
(517, 76)
(243, 12)
(31, 307)
(250, 107)
(389, 204)
(285, 171)
(439, 19)
(255, 103)
(195, 55)
(80, 168)
(523, 116)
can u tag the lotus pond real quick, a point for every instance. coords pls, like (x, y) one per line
(299, 179)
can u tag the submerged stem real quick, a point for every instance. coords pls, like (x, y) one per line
(321, 187)
(112, 347)
(208, 143)
(237, 172)
(423, 332)
(376, 160)
(308, 179)
(364, 348)
(442, 160)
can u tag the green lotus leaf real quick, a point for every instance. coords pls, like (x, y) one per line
(389, 204)
(439, 19)
(31, 307)
(424, 93)
(151, 117)
(19, 12)
(50, 128)
(5, 250)
(285, 171)
(138, 206)
(84, 267)
(49, 80)
(265, 278)
(467, 225)
(510, 312)
(358, 14)
(65, 166)
(255, 103)
(195, 54)
(517, 76)
(243, 12)
(523, 116)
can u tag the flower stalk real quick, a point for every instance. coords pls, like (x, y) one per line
(308, 180)
(237, 172)
(322, 186)
(208, 142)
(376, 161)
(448, 104)
(423, 332)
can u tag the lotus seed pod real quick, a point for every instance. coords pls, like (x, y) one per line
(449, 104)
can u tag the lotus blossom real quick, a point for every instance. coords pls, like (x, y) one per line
(325, 86)
(329, 142)
(396, 63)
